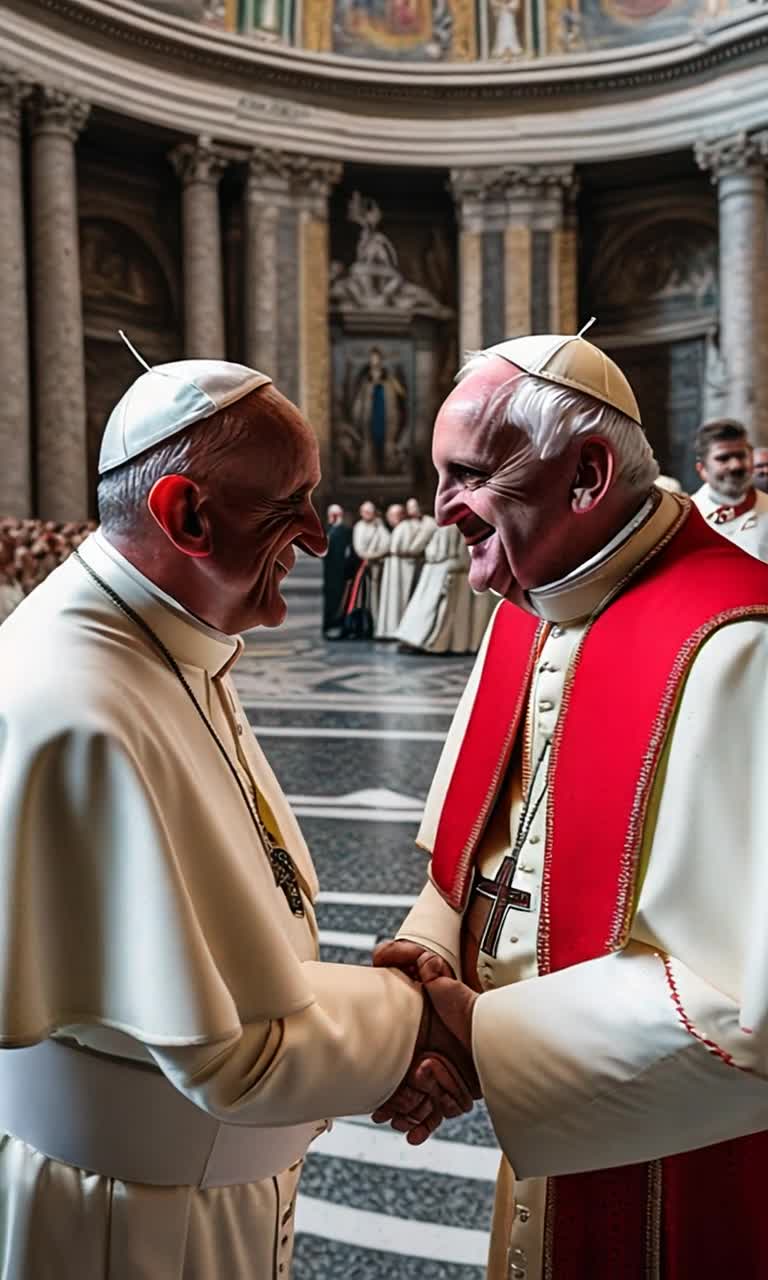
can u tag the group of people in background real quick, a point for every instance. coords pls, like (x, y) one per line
(29, 551)
(398, 577)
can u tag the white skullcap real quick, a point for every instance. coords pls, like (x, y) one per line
(571, 361)
(169, 398)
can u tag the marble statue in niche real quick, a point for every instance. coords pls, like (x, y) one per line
(378, 414)
(374, 282)
(506, 38)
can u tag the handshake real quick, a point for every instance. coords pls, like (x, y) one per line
(441, 1081)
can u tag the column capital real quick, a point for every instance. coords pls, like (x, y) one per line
(306, 178)
(737, 153)
(198, 161)
(512, 180)
(55, 110)
(490, 198)
(13, 91)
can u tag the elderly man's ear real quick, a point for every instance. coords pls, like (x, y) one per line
(594, 474)
(175, 504)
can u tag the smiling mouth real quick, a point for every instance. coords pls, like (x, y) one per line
(475, 531)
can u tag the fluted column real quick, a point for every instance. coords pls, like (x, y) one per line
(56, 120)
(313, 183)
(199, 166)
(738, 165)
(287, 274)
(16, 458)
(517, 251)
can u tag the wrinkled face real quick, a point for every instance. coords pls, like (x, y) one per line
(727, 468)
(760, 472)
(260, 512)
(515, 538)
(368, 512)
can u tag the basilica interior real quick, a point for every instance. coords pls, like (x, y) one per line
(315, 188)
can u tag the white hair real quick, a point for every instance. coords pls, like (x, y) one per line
(550, 415)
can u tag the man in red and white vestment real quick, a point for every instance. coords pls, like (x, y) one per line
(729, 499)
(598, 882)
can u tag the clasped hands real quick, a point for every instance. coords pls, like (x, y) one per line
(441, 1081)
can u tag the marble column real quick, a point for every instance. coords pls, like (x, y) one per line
(738, 165)
(313, 184)
(517, 251)
(199, 166)
(16, 464)
(62, 474)
(286, 305)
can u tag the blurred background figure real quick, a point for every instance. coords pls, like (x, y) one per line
(760, 468)
(370, 541)
(444, 614)
(394, 513)
(11, 592)
(728, 499)
(407, 545)
(338, 567)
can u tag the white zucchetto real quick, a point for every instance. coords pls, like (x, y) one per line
(167, 399)
(571, 361)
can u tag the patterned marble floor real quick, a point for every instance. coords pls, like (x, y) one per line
(353, 731)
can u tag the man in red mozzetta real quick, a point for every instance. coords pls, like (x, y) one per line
(598, 881)
(728, 498)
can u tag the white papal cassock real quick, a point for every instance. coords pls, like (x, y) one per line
(170, 1042)
(593, 1066)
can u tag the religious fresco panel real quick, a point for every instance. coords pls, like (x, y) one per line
(579, 25)
(406, 30)
(506, 30)
(266, 18)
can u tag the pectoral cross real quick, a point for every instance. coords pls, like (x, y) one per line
(284, 871)
(504, 899)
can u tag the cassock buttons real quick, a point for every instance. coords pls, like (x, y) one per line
(534, 839)
(546, 705)
(239, 729)
(557, 632)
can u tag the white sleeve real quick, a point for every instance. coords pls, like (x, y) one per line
(344, 1055)
(592, 1067)
(662, 1048)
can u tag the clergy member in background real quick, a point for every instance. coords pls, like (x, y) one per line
(338, 567)
(728, 499)
(370, 539)
(439, 617)
(171, 1043)
(760, 468)
(394, 514)
(599, 868)
(407, 545)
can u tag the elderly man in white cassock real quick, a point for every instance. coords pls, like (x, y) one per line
(595, 920)
(170, 1043)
